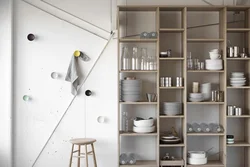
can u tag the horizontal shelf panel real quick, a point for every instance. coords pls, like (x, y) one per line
(138, 71)
(137, 134)
(172, 145)
(209, 164)
(172, 87)
(205, 40)
(238, 30)
(209, 102)
(239, 144)
(175, 30)
(148, 103)
(137, 40)
(173, 162)
(137, 8)
(240, 87)
(209, 71)
(204, 8)
(171, 58)
(205, 134)
(237, 8)
(237, 58)
(239, 116)
(175, 116)
(145, 163)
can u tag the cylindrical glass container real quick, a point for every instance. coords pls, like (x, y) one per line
(125, 59)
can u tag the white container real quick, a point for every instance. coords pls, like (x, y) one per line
(196, 154)
(197, 161)
(144, 123)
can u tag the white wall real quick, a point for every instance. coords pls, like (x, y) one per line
(6, 82)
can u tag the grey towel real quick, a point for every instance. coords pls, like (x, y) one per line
(72, 75)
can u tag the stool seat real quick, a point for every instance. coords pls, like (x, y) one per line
(82, 141)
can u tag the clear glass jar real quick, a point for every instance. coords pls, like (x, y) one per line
(125, 59)
(196, 127)
(125, 121)
(136, 60)
(144, 57)
(189, 61)
(205, 128)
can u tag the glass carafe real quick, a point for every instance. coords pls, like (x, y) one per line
(196, 127)
(125, 59)
(205, 128)
(131, 159)
(144, 58)
(189, 61)
(136, 60)
(189, 128)
(123, 159)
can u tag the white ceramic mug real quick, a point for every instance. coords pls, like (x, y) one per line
(215, 51)
(214, 56)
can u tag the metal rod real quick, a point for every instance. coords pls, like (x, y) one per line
(73, 100)
(65, 20)
(74, 16)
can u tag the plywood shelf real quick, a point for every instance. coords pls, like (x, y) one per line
(138, 71)
(238, 30)
(205, 103)
(239, 116)
(171, 58)
(137, 40)
(238, 58)
(205, 40)
(139, 103)
(209, 164)
(173, 30)
(172, 145)
(145, 163)
(208, 71)
(239, 144)
(173, 162)
(172, 87)
(239, 87)
(137, 134)
(175, 116)
(205, 134)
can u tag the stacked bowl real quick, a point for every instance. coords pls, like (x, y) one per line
(171, 108)
(237, 79)
(214, 64)
(144, 125)
(131, 90)
(196, 97)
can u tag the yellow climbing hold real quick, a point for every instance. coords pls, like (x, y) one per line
(77, 53)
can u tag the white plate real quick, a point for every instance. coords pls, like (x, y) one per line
(195, 100)
(237, 82)
(237, 79)
(143, 129)
(237, 85)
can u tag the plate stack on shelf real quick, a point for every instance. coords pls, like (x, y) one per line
(237, 79)
(171, 108)
(143, 125)
(196, 97)
(170, 140)
(215, 64)
(131, 90)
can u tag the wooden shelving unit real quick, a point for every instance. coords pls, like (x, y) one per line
(175, 66)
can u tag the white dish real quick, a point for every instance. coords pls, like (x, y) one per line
(196, 100)
(237, 85)
(143, 129)
(168, 137)
(237, 79)
(172, 112)
(196, 154)
(196, 95)
(238, 82)
(144, 123)
(197, 161)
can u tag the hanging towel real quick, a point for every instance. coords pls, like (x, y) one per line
(72, 75)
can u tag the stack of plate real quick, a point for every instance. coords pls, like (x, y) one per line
(196, 97)
(237, 79)
(215, 64)
(171, 108)
(144, 126)
(170, 140)
(131, 90)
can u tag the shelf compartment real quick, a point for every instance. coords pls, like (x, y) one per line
(137, 134)
(138, 71)
(205, 134)
(205, 103)
(210, 71)
(239, 116)
(172, 87)
(239, 144)
(175, 116)
(209, 164)
(171, 58)
(174, 30)
(172, 145)
(145, 163)
(174, 162)
(137, 40)
(136, 8)
(240, 87)
(205, 40)
(238, 58)
(236, 30)
(139, 103)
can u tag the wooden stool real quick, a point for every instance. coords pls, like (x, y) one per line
(82, 142)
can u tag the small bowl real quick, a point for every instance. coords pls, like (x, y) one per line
(144, 123)
(143, 129)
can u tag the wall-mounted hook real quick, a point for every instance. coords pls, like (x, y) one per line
(31, 37)
(55, 75)
(26, 98)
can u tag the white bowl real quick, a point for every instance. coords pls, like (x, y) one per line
(215, 51)
(172, 112)
(143, 129)
(196, 95)
(237, 79)
(144, 123)
(196, 154)
(197, 161)
(238, 82)
(196, 100)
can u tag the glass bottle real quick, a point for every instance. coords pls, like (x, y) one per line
(216, 128)
(125, 121)
(136, 60)
(196, 127)
(144, 56)
(205, 128)
(123, 159)
(131, 159)
(125, 59)
(189, 61)
(189, 128)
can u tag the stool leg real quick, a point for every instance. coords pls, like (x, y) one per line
(71, 155)
(86, 155)
(79, 154)
(92, 145)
